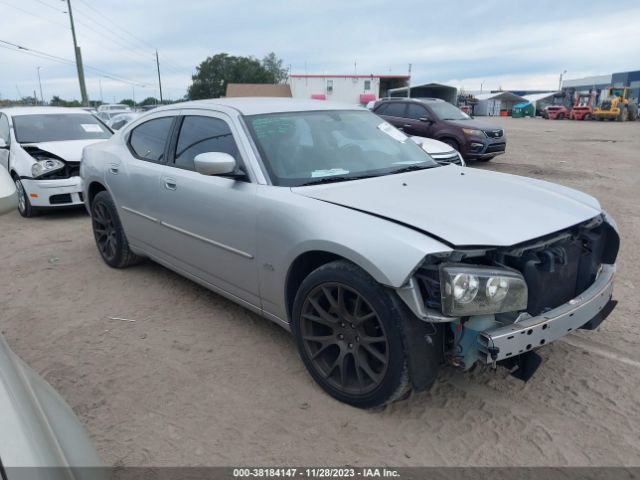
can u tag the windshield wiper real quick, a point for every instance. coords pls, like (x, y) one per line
(411, 168)
(337, 178)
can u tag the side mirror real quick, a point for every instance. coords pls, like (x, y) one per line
(214, 163)
(3, 144)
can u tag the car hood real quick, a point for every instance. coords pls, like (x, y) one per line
(475, 123)
(432, 146)
(463, 206)
(69, 150)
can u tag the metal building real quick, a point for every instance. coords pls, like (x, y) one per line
(601, 83)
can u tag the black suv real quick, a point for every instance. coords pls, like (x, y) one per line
(437, 119)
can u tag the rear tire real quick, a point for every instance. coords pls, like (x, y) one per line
(24, 204)
(109, 235)
(349, 333)
(586, 117)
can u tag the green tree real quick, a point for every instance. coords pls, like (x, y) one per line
(150, 101)
(56, 101)
(128, 101)
(273, 65)
(213, 75)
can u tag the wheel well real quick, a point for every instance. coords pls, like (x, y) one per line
(444, 139)
(301, 268)
(94, 189)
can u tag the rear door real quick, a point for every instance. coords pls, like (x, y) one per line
(209, 222)
(134, 179)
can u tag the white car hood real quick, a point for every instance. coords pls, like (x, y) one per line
(69, 150)
(432, 146)
(464, 206)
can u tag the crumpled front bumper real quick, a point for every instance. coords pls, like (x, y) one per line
(517, 338)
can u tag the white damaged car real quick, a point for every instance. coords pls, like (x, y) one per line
(41, 148)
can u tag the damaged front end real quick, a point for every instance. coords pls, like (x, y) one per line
(48, 166)
(502, 303)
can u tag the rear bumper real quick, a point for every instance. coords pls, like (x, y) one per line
(587, 310)
(54, 193)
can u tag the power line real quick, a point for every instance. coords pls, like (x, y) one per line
(34, 15)
(131, 35)
(31, 51)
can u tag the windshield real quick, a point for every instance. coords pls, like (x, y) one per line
(306, 147)
(58, 127)
(446, 111)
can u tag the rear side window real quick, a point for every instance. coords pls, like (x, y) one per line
(148, 140)
(395, 109)
(200, 135)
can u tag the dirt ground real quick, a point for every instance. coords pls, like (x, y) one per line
(194, 379)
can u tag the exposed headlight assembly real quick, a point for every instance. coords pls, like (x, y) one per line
(474, 290)
(44, 166)
(473, 132)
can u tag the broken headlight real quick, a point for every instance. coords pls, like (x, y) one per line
(475, 290)
(44, 166)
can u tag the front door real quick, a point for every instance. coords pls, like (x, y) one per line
(209, 222)
(417, 121)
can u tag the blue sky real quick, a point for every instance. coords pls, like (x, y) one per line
(497, 43)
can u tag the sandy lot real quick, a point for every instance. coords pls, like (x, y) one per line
(197, 380)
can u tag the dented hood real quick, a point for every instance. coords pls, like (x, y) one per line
(464, 206)
(69, 150)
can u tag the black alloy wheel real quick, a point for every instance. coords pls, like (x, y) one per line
(344, 338)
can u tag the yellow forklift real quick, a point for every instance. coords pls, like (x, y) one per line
(617, 106)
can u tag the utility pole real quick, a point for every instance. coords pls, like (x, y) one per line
(159, 81)
(560, 81)
(40, 84)
(83, 87)
(409, 83)
(100, 84)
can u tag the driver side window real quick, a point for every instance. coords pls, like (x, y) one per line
(200, 135)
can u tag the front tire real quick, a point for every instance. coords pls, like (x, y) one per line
(109, 235)
(349, 333)
(24, 204)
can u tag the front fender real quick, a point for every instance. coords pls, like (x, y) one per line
(290, 225)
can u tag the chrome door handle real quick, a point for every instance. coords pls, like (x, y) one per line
(406, 125)
(170, 184)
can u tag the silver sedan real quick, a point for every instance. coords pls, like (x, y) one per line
(332, 223)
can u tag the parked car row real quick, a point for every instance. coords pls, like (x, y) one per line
(383, 261)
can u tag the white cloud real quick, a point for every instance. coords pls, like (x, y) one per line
(496, 41)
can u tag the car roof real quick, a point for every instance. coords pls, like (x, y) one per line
(262, 105)
(13, 111)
